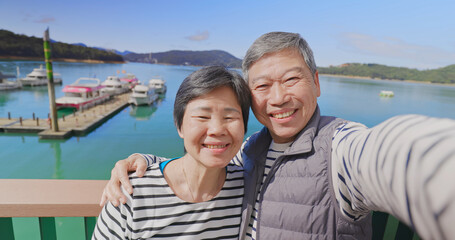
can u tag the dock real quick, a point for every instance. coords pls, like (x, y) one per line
(77, 124)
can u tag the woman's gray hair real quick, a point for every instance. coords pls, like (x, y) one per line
(274, 42)
(204, 81)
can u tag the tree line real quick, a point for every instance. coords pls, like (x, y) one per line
(378, 71)
(16, 45)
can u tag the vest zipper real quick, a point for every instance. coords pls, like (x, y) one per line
(272, 171)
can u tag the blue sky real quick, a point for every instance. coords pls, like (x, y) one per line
(416, 34)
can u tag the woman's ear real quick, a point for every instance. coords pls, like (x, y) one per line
(180, 131)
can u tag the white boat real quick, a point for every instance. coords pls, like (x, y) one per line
(113, 86)
(158, 84)
(38, 77)
(6, 84)
(142, 95)
(82, 94)
(385, 93)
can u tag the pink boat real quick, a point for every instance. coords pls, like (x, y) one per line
(131, 79)
(82, 94)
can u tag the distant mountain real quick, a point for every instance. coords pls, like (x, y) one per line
(196, 58)
(112, 50)
(79, 44)
(21, 46)
(123, 53)
(378, 71)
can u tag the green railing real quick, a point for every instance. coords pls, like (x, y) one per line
(48, 209)
(387, 227)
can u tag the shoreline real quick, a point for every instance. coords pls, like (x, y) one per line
(59, 59)
(392, 80)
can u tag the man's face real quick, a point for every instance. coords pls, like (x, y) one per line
(284, 93)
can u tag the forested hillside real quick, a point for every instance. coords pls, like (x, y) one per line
(195, 58)
(15, 45)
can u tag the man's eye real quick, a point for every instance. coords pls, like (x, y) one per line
(291, 81)
(261, 87)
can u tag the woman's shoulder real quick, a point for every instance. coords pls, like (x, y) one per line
(153, 170)
(234, 170)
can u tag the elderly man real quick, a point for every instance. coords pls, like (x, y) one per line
(309, 176)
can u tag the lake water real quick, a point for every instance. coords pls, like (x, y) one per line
(151, 129)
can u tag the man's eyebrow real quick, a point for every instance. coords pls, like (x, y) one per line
(296, 68)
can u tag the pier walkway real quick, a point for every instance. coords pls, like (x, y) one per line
(76, 124)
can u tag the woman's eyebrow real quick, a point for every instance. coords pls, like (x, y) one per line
(229, 109)
(209, 109)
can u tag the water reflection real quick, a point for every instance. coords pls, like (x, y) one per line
(143, 113)
(58, 172)
(4, 98)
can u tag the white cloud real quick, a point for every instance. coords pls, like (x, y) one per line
(45, 20)
(200, 36)
(395, 49)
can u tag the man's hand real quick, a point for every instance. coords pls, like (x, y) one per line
(119, 175)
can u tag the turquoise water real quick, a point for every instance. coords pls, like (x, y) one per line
(151, 129)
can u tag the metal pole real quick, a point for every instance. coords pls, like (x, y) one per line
(50, 80)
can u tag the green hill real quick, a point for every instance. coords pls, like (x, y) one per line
(440, 75)
(21, 46)
(195, 58)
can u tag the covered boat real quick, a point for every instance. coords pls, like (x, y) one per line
(113, 86)
(142, 95)
(82, 94)
(158, 84)
(131, 79)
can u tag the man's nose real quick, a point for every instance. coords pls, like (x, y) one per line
(278, 94)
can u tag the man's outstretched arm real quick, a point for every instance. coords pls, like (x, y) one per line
(404, 166)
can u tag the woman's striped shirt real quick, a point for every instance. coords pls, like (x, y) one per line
(154, 211)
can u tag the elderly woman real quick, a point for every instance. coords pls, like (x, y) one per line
(199, 195)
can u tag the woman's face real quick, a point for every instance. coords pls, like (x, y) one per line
(212, 128)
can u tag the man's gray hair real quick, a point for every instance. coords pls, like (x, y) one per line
(275, 42)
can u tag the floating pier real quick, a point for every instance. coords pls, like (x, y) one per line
(77, 124)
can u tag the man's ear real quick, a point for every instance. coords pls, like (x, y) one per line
(316, 83)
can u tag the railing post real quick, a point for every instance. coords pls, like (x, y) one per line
(6, 228)
(379, 224)
(90, 223)
(47, 228)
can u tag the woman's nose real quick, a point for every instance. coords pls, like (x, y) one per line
(216, 127)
